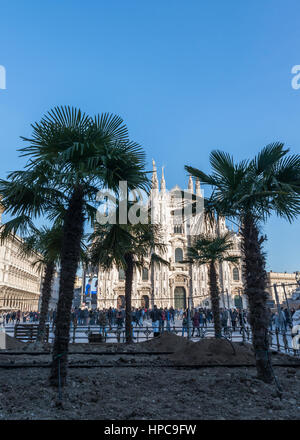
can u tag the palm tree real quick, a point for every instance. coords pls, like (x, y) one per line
(45, 244)
(249, 191)
(125, 246)
(78, 156)
(23, 196)
(210, 251)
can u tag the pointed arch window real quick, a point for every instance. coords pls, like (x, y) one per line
(178, 255)
(178, 229)
(145, 274)
(235, 274)
(121, 275)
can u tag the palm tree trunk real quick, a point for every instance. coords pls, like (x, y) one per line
(70, 256)
(255, 289)
(152, 283)
(128, 290)
(46, 295)
(215, 299)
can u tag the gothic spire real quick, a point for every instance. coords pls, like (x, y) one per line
(191, 185)
(198, 189)
(154, 176)
(162, 182)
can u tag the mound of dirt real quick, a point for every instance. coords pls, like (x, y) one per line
(214, 351)
(165, 342)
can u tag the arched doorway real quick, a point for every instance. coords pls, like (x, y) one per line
(238, 302)
(179, 298)
(121, 301)
(145, 301)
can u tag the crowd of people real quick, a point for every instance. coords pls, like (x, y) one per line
(18, 317)
(283, 319)
(162, 319)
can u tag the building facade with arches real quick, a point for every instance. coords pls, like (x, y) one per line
(173, 284)
(20, 282)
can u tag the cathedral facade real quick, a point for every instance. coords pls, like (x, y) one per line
(177, 283)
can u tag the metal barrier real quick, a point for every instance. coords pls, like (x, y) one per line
(277, 340)
(280, 341)
(28, 332)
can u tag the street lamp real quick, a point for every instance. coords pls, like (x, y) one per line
(223, 299)
(227, 299)
(277, 298)
(287, 303)
(240, 298)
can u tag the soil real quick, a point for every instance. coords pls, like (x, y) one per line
(14, 344)
(214, 351)
(151, 393)
(166, 342)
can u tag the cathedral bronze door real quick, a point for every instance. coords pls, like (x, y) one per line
(238, 302)
(145, 301)
(121, 302)
(179, 298)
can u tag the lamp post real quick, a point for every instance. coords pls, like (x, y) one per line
(83, 284)
(227, 298)
(277, 298)
(223, 297)
(287, 304)
(241, 298)
(189, 317)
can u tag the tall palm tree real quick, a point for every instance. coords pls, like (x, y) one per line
(249, 191)
(211, 251)
(125, 246)
(79, 155)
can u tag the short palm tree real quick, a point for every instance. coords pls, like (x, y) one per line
(210, 251)
(125, 246)
(72, 154)
(45, 244)
(249, 191)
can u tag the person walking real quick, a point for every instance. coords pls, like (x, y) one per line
(168, 317)
(196, 323)
(119, 319)
(162, 320)
(85, 316)
(184, 324)
(102, 321)
(233, 318)
(155, 317)
(280, 323)
(224, 319)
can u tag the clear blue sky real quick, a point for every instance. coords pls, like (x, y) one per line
(187, 77)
